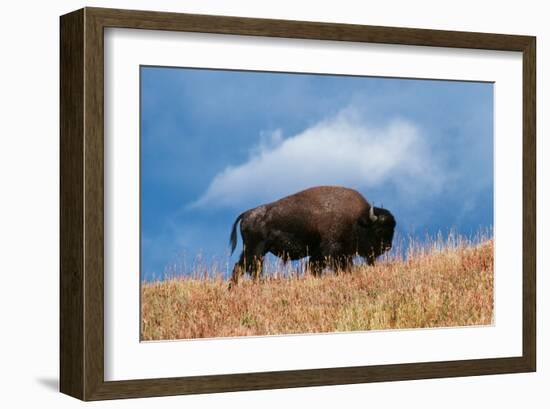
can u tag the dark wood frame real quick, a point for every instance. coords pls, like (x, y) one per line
(81, 228)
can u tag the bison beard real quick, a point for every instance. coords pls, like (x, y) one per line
(329, 224)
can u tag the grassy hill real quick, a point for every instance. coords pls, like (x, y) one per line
(440, 285)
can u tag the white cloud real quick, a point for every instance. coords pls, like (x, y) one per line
(342, 150)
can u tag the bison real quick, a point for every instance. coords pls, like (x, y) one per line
(330, 224)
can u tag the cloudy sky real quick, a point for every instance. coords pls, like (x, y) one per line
(215, 143)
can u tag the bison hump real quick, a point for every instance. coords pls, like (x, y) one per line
(318, 208)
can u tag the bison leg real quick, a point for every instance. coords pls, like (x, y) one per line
(250, 262)
(256, 266)
(370, 260)
(255, 261)
(316, 265)
(238, 270)
(332, 253)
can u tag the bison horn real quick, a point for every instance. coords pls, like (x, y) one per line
(372, 216)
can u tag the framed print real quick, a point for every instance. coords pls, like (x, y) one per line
(257, 204)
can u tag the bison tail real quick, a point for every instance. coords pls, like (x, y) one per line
(233, 239)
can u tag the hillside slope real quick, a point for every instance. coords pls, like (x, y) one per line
(442, 287)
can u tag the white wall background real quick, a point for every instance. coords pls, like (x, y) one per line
(29, 156)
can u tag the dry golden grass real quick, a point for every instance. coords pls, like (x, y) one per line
(440, 286)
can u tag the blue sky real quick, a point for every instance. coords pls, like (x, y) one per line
(216, 142)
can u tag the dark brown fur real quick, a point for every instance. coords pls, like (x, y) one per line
(329, 224)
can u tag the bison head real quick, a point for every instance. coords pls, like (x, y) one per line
(376, 235)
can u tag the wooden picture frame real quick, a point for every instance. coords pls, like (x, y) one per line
(82, 203)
